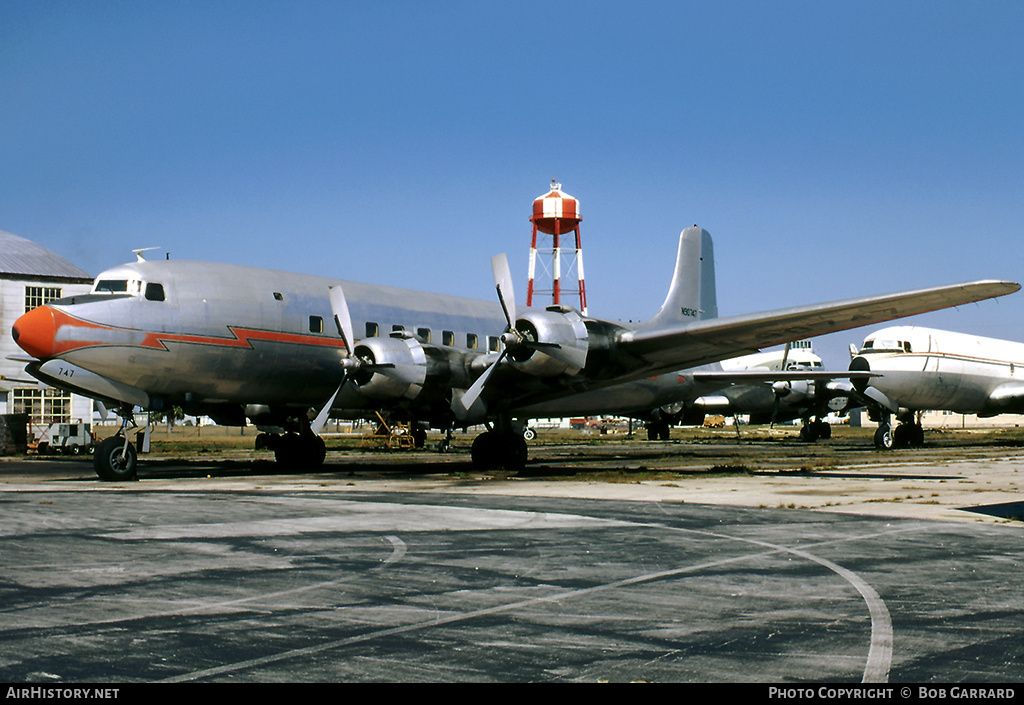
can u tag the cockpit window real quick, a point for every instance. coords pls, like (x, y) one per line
(114, 286)
(154, 292)
(897, 346)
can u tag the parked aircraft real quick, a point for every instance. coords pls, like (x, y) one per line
(768, 387)
(922, 369)
(238, 343)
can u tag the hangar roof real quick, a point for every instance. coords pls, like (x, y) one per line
(19, 256)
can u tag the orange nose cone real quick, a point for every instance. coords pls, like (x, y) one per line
(34, 332)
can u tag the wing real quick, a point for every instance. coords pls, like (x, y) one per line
(769, 376)
(699, 342)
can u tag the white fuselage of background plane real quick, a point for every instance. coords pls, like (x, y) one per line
(927, 369)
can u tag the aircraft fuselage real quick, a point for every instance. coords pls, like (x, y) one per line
(926, 369)
(219, 338)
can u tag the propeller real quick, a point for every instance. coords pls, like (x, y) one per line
(779, 391)
(343, 320)
(507, 299)
(517, 342)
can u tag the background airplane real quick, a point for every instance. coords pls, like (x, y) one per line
(240, 343)
(923, 369)
(768, 387)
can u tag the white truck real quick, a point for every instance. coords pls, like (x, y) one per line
(74, 438)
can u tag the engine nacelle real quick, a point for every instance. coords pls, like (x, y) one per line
(560, 327)
(410, 368)
(793, 392)
(404, 379)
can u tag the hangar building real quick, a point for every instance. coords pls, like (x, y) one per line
(31, 275)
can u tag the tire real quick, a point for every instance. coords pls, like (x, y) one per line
(109, 464)
(901, 436)
(916, 435)
(492, 450)
(483, 452)
(883, 437)
(515, 453)
(294, 453)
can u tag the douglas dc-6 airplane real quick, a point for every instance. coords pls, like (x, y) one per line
(772, 399)
(923, 369)
(236, 342)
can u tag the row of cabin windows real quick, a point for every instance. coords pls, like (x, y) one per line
(37, 296)
(316, 325)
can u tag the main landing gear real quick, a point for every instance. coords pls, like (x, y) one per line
(909, 432)
(812, 431)
(500, 448)
(295, 451)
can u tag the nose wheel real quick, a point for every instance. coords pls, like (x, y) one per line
(115, 460)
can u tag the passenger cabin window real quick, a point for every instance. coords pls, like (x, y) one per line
(492, 343)
(372, 330)
(154, 292)
(424, 333)
(316, 324)
(397, 328)
(448, 338)
(471, 341)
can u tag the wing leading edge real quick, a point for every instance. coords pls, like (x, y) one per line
(699, 342)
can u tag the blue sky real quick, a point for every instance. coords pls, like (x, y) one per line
(832, 149)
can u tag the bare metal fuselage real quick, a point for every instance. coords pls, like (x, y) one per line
(226, 335)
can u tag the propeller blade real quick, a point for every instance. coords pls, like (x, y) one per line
(775, 410)
(342, 317)
(473, 393)
(785, 356)
(503, 284)
(317, 424)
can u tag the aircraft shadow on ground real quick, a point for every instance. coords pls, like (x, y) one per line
(1007, 510)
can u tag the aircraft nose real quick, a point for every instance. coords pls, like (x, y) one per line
(34, 332)
(859, 364)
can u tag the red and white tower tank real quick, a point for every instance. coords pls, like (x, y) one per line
(556, 213)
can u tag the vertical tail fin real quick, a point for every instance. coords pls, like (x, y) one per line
(691, 295)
